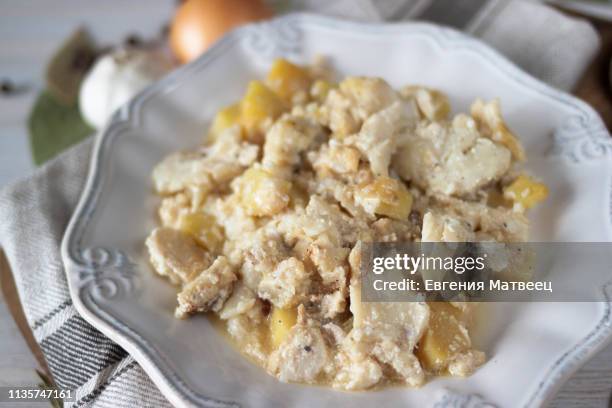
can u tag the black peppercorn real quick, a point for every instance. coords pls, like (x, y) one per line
(133, 40)
(6, 87)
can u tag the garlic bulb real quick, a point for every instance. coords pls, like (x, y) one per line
(115, 78)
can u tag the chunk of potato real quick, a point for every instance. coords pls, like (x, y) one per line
(385, 196)
(224, 119)
(368, 95)
(320, 89)
(204, 228)
(262, 193)
(504, 136)
(491, 124)
(281, 321)
(287, 79)
(445, 338)
(259, 103)
(432, 104)
(525, 192)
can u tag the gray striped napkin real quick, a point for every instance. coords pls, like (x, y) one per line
(35, 212)
(34, 215)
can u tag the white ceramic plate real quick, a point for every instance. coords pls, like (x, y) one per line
(533, 347)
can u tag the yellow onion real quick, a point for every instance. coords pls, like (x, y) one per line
(197, 24)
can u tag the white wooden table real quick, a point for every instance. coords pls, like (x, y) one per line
(29, 32)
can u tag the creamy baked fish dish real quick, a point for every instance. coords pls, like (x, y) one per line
(263, 225)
